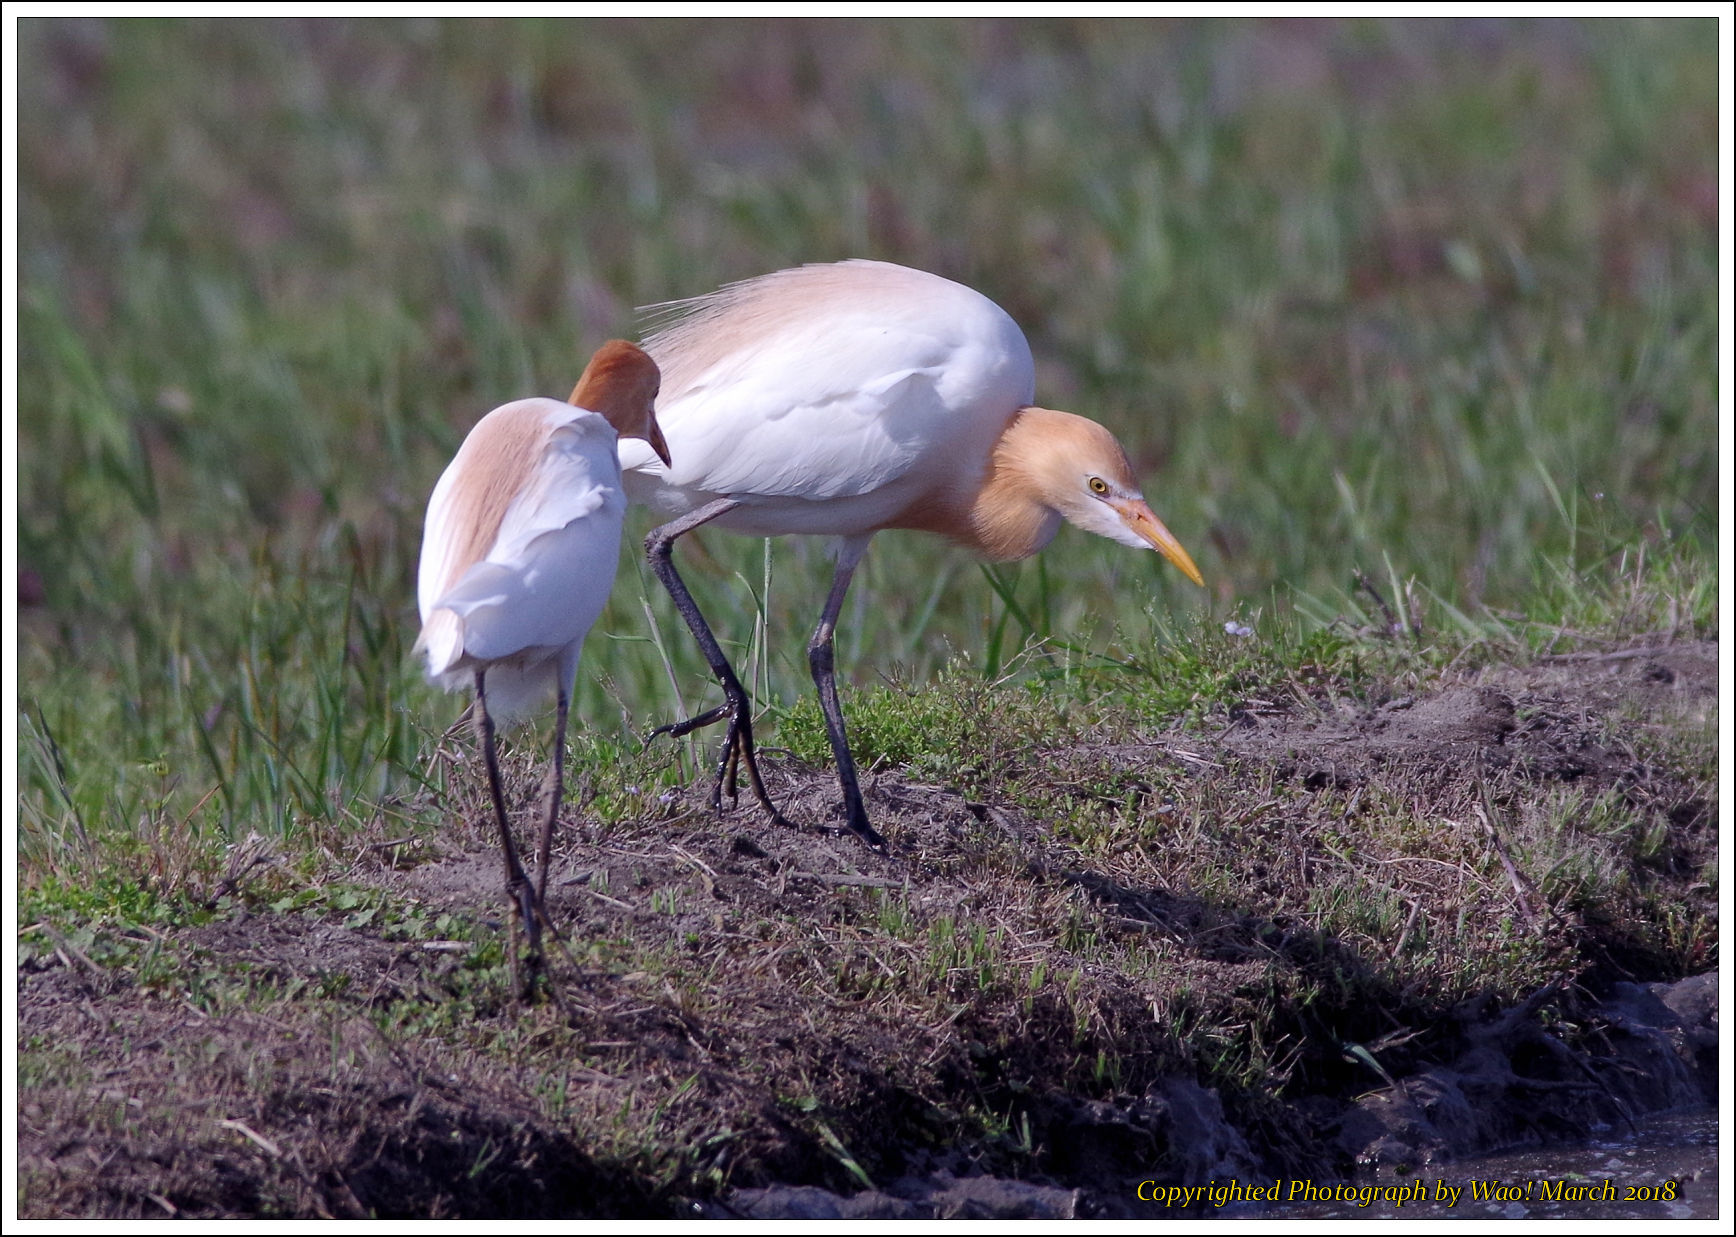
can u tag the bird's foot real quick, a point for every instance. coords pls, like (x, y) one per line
(737, 751)
(530, 913)
(546, 973)
(522, 894)
(856, 817)
(728, 765)
(689, 725)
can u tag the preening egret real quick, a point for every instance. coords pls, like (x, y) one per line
(847, 398)
(518, 556)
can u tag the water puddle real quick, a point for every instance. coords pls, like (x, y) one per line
(1667, 1171)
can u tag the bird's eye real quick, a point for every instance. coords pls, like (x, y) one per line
(1099, 485)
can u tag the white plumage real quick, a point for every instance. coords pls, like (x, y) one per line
(828, 398)
(848, 398)
(524, 607)
(518, 557)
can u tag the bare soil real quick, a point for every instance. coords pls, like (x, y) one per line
(752, 1009)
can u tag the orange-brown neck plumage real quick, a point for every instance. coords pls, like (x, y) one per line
(1008, 519)
(1038, 475)
(1046, 467)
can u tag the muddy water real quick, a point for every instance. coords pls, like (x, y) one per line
(1669, 1171)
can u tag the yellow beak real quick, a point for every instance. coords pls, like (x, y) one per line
(1143, 521)
(654, 436)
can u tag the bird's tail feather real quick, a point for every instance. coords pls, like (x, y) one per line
(515, 692)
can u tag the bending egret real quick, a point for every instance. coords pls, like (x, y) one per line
(518, 556)
(847, 398)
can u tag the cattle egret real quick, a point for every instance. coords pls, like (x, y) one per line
(518, 556)
(848, 398)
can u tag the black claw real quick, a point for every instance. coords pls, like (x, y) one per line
(729, 765)
(858, 823)
(688, 726)
(737, 750)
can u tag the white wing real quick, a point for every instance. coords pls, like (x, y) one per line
(831, 382)
(552, 564)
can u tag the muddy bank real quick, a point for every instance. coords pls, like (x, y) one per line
(1661, 1041)
(1102, 966)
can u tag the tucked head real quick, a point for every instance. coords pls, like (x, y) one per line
(620, 385)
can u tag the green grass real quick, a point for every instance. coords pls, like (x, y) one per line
(1430, 301)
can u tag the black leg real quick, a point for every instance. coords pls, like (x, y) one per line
(519, 892)
(552, 794)
(738, 743)
(820, 663)
(552, 791)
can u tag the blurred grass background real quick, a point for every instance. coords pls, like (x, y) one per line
(1433, 300)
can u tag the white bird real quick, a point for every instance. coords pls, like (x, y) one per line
(848, 398)
(518, 556)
